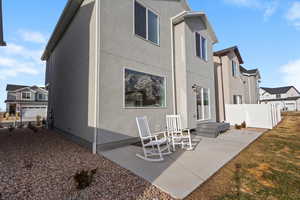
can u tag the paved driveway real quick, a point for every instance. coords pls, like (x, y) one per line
(182, 172)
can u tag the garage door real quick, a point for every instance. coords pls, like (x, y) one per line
(32, 112)
(291, 106)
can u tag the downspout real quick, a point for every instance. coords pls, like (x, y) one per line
(97, 64)
(173, 68)
(222, 79)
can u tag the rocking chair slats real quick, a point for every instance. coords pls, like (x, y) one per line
(178, 135)
(152, 146)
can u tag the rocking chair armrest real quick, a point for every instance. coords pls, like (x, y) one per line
(186, 129)
(160, 133)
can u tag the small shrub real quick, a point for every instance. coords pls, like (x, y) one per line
(84, 178)
(44, 122)
(11, 128)
(33, 128)
(244, 125)
(7, 116)
(38, 120)
(238, 126)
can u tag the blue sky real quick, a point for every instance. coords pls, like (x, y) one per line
(266, 31)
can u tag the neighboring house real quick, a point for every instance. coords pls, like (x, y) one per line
(288, 98)
(111, 61)
(2, 43)
(30, 101)
(234, 83)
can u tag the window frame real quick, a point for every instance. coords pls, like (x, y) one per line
(201, 50)
(150, 73)
(234, 70)
(147, 22)
(26, 93)
(278, 96)
(202, 101)
(238, 98)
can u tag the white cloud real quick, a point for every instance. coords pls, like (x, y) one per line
(17, 60)
(17, 50)
(291, 73)
(33, 36)
(268, 7)
(293, 14)
(245, 3)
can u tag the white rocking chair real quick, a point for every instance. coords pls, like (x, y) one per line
(152, 145)
(178, 135)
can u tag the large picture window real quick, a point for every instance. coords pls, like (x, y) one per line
(146, 23)
(144, 90)
(201, 47)
(203, 104)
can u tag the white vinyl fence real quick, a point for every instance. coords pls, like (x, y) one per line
(255, 115)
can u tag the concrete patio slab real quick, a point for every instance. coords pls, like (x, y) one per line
(183, 171)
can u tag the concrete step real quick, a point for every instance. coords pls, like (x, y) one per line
(206, 130)
(207, 134)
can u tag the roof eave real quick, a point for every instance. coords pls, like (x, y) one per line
(65, 19)
(189, 14)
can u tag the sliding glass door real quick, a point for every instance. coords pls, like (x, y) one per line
(203, 104)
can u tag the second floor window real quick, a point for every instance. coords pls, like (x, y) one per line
(237, 99)
(234, 68)
(26, 95)
(278, 96)
(146, 24)
(41, 96)
(201, 47)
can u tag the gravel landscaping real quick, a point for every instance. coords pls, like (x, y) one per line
(42, 165)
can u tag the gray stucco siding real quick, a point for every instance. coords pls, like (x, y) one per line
(200, 72)
(70, 75)
(121, 48)
(116, 121)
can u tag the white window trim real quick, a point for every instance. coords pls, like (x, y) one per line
(26, 93)
(202, 105)
(158, 22)
(150, 73)
(206, 47)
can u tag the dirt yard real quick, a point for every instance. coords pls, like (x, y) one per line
(269, 169)
(41, 166)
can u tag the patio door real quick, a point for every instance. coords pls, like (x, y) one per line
(203, 104)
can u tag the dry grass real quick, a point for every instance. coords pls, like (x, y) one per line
(267, 170)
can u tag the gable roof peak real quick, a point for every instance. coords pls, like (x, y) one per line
(226, 51)
(279, 90)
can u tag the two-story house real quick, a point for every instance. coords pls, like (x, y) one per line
(288, 98)
(2, 43)
(111, 61)
(234, 83)
(30, 101)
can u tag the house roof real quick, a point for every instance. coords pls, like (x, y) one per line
(190, 14)
(64, 21)
(279, 90)
(250, 72)
(10, 87)
(2, 43)
(224, 52)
